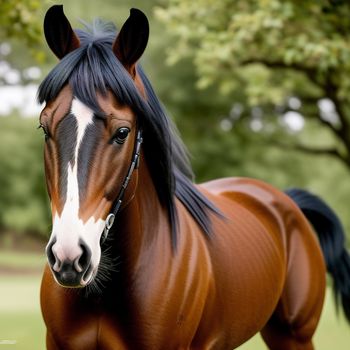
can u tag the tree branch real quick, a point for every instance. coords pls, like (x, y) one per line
(331, 91)
(310, 150)
(309, 71)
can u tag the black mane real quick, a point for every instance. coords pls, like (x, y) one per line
(92, 68)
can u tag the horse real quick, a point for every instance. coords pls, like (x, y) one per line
(141, 257)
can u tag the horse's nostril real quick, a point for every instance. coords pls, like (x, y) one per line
(82, 262)
(58, 265)
(50, 254)
(77, 265)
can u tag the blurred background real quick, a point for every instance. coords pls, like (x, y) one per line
(257, 88)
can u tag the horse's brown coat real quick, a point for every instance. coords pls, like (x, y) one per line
(263, 263)
(262, 269)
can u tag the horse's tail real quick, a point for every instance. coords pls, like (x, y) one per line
(332, 240)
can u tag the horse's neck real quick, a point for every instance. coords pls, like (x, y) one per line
(143, 225)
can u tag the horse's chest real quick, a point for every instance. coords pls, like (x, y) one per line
(88, 332)
(109, 335)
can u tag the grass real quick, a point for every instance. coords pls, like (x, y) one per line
(20, 317)
(22, 260)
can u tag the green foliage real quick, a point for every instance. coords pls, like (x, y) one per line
(224, 35)
(20, 38)
(23, 205)
(216, 152)
(270, 50)
(216, 121)
(19, 18)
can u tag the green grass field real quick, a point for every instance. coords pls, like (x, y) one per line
(21, 260)
(20, 317)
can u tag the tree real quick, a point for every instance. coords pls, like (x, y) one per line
(19, 19)
(20, 40)
(24, 204)
(272, 50)
(205, 117)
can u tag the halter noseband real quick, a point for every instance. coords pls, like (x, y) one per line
(118, 202)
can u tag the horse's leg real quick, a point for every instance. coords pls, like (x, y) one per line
(295, 319)
(279, 338)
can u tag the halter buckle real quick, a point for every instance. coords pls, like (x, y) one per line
(108, 224)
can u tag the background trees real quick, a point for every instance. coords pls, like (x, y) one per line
(271, 51)
(20, 37)
(249, 84)
(281, 70)
(19, 19)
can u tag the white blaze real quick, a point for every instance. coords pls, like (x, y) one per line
(68, 228)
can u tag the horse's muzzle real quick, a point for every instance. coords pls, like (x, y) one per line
(73, 273)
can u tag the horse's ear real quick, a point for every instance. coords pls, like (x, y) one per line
(132, 40)
(58, 32)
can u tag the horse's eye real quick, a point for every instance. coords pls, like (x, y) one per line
(121, 135)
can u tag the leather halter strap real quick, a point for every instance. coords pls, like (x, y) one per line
(119, 200)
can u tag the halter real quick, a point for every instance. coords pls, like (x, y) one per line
(118, 202)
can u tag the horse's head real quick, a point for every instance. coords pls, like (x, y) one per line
(90, 138)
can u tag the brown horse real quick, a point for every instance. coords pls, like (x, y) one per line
(182, 266)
